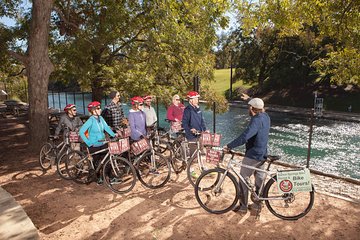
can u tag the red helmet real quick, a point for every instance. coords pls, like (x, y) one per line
(147, 97)
(193, 94)
(68, 107)
(136, 99)
(93, 105)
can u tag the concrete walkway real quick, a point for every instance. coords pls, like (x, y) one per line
(15, 223)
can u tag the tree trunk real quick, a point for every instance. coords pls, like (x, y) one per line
(39, 68)
(97, 89)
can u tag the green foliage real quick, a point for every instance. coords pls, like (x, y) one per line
(139, 47)
(338, 20)
(343, 66)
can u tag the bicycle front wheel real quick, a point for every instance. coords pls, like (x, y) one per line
(196, 166)
(217, 192)
(78, 166)
(287, 206)
(61, 167)
(47, 156)
(153, 170)
(119, 175)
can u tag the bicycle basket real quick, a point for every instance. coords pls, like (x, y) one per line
(214, 156)
(74, 137)
(208, 139)
(114, 148)
(124, 145)
(124, 132)
(139, 146)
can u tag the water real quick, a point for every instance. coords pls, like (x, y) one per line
(335, 144)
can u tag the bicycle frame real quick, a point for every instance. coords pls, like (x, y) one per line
(230, 167)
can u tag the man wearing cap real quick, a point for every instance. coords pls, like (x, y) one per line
(113, 112)
(149, 111)
(255, 137)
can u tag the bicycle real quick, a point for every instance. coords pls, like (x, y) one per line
(53, 154)
(181, 158)
(220, 194)
(118, 173)
(153, 169)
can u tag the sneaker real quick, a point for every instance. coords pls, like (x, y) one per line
(114, 180)
(194, 174)
(240, 209)
(100, 181)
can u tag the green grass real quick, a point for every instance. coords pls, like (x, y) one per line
(222, 81)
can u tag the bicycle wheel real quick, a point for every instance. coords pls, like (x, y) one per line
(78, 166)
(216, 192)
(119, 175)
(47, 156)
(61, 167)
(153, 173)
(196, 166)
(176, 158)
(287, 206)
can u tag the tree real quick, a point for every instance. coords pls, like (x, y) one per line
(139, 47)
(334, 19)
(38, 67)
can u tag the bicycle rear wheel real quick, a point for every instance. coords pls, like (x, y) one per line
(78, 166)
(47, 156)
(196, 167)
(287, 206)
(153, 173)
(119, 175)
(176, 158)
(216, 192)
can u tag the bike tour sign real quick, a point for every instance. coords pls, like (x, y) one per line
(294, 181)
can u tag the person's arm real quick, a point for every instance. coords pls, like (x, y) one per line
(59, 126)
(83, 129)
(134, 132)
(107, 128)
(248, 133)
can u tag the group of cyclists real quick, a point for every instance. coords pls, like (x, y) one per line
(190, 118)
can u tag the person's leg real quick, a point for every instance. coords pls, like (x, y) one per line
(246, 173)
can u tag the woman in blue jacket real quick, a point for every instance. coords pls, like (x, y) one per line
(95, 127)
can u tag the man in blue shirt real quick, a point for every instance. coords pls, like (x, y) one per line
(255, 137)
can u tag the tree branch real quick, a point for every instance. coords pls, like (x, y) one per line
(64, 19)
(20, 57)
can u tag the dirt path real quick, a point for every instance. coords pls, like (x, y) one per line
(65, 210)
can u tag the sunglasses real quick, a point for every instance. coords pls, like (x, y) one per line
(177, 99)
(140, 104)
(98, 108)
(74, 110)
